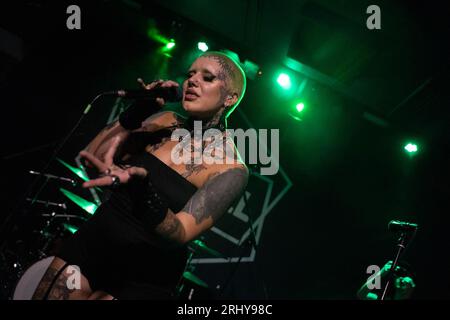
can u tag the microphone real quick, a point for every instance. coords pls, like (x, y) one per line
(169, 94)
(402, 226)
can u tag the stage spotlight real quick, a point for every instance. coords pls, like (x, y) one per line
(300, 106)
(202, 46)
(170, 45)
(411, 148)
(284, 81)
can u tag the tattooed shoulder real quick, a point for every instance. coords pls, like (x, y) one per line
(217, 194)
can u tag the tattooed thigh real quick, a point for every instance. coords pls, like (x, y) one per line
(60, 285)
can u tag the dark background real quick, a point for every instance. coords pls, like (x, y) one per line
(350, 175)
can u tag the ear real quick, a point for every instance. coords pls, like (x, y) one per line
(231, 99)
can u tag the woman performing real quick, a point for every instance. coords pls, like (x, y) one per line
(134, 247)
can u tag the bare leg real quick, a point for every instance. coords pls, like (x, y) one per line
(100, 295)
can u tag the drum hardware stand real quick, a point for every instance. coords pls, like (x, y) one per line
(52, 176)
(194, 246)
(49, 237)
(48, 203)
(180, 285)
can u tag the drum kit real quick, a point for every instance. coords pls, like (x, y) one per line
(190, 286)
(38, 235)
(26, 260)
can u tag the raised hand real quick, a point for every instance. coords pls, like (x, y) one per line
(110, 173)
(159, 83)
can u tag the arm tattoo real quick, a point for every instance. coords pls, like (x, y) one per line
(171, 228)
(218, 193)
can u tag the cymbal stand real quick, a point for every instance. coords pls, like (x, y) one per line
(180, 284)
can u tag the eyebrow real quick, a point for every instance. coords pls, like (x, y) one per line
(204, 70)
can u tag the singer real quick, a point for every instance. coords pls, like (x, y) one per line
(134, 247)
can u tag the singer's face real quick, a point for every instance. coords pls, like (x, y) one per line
(204, 90)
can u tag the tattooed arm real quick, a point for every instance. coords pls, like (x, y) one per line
(205, 207)
(102, 142)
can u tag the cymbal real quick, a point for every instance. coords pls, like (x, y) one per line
(200, 245)
(80, 173)
(84, 204)
(72, 229)
(192, 277)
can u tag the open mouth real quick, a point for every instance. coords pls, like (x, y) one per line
(190, 96)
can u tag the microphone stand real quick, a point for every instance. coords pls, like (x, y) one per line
(402, 243)
(250, 241)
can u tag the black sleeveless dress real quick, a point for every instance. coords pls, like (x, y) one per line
(118, 253)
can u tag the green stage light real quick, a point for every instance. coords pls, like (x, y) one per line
(284, 81)
(411, 148)
(296, 111)
(170, 45)
(70, 228)
(84, 204)
(300, 106)
(202, 46)
(153, 33)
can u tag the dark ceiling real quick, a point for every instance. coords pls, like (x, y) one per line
(380, 68)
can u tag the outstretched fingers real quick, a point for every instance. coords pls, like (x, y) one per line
(101, 166)
(99, 182)
(137, 172)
